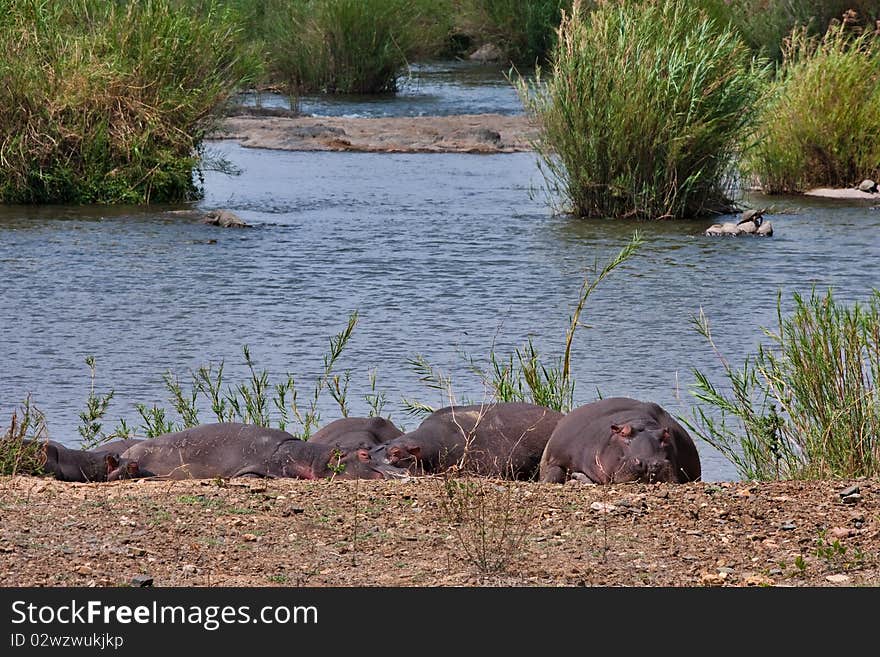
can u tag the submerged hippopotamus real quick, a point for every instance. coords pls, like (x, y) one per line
(230, 449)
(350, 433)
(618, 440)
(68, 464)
(502, 440)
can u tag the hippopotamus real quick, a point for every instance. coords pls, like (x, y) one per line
(618, 440)
(117, 446)
(231, 449)
(350, 433)
(504, 439)
(79, 465)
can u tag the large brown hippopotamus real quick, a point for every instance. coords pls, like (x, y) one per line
(350, 433)
(68, 464)
(504, 439)
(230, 449)
(618, 440)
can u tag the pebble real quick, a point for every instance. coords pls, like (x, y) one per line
(846, 492)
(852, 499)
(838, 579)
(249, 537)
(602, 507)
(188, 568)
(787, 526)
(141, 580)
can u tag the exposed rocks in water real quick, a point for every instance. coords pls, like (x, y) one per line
(751, 222)
(254, 110)
(224, 219)
(868, 185)
(466, 133)
(843, 194)
(488, 52)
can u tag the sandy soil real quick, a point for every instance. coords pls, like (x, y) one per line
(473, 133)
(414, 533)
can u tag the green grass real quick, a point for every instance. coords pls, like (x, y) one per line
(807, 405)
(821, 124)
(108, 102)
(644, 111)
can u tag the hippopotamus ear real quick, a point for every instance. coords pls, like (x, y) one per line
(624, 432)
(665, 438)
(415, 450)
(363, 455)
(112, 462)
(132, 469)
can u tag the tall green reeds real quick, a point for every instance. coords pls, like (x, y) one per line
(644, 111)
(22, 443)
(108, 102)
(807, 405)
(765, 24)
(349, 46)
(821, 123)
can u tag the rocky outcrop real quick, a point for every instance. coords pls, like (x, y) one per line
(466, 133)
(751, 222)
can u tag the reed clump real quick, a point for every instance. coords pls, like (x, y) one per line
(820, 125)
(807, 405)
(645, 110)
(108, 102)
(350, 46)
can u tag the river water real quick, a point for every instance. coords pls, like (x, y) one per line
(443, 255)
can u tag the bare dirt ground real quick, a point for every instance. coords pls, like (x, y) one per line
(469, 133)
(427, 532)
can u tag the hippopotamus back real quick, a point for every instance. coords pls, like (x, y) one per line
(617, 440)
(504, 439)
(350, 433)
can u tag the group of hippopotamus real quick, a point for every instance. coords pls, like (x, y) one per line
(608, 441)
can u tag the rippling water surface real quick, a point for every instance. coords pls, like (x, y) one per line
(442, 255)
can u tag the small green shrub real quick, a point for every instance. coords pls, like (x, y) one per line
(820, 127)
(645, 110)
(108, 102)
(807, 406)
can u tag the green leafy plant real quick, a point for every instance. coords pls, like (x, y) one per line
(807, 405)
(96, 408)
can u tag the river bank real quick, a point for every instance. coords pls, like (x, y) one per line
(300, 533)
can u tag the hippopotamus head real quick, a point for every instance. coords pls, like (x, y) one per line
(121, 468)
(639, 453)
(360, 464)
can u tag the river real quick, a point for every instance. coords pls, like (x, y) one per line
(443, 255)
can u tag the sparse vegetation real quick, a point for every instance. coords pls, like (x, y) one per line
(489, 519)
(807, 405)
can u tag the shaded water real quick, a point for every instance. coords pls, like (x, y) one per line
(441, 254)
